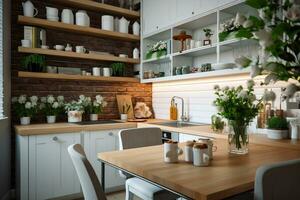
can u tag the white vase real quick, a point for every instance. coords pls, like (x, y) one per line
(124, 117)
(25, 120)
(277, 134)
(51, 119)
(136, 28)
(93, 117)
(74, 116)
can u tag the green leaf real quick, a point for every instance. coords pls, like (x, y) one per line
(259, 23)
(258, 4)
(223, 36)
(287, 56)
(244, 33)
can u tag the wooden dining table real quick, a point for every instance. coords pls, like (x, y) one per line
(227, 175)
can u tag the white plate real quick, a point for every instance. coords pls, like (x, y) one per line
(220, 66)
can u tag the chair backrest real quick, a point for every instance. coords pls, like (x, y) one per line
(139, 137)
(278, 181)
(88, 179)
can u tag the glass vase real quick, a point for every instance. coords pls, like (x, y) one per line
(238, 138)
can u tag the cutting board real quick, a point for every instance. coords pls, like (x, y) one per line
(125, 99)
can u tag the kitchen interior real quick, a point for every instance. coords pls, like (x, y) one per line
(140, 99)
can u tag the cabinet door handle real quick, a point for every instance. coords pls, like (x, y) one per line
(110, 134)
(55, 138)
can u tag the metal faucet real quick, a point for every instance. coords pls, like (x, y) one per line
(183, 117)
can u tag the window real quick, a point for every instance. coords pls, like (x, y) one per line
(1, 61)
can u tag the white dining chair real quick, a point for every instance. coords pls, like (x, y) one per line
(142, 137)
(90, 184)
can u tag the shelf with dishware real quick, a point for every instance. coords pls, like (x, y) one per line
(196, 49)
(44, 23)
(66, 54)
(99, 7)
(41, 75)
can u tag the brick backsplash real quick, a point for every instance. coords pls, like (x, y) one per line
(71, 89)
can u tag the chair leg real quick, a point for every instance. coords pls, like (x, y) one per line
(129, 195)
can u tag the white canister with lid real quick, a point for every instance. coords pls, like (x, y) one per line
(96, 71)
(67, 16)
(136, 28)
(123, 25)
(200, 155)
(82, 18)
(107, 22)
(136, 53)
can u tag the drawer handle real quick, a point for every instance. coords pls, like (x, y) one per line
(55, 139)
(110, 134)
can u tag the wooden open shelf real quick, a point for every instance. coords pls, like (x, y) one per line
(31, 21)
(75, 77)
(85, 56)
(99, 7)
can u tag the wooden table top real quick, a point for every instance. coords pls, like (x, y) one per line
(226, 176)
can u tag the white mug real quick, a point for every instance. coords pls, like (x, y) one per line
(200, 156)
(80, 49)
(106, 71)
(211, 147)
(26, 43)
(171, 152)
(96, 71)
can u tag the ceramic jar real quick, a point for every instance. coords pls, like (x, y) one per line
(96, 71)
(107, 22)
(136, 28)
(136, 53)
(93, 117)
(200, 155)
(123, 117)
(107, 71)
(82, 18)
(123, 25)
(188, 151)
(51, 119)
(52, 13)
(210, 146)
(67, 16)
(25, 120)
(29, 10)
(171, 152)
(74, 116)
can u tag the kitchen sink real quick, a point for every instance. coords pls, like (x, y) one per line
(178, 124)
(98, 122)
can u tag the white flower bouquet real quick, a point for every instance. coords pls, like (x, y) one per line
(159, 48)
(75, 109)
(51, 107)
(231, 26)
(96, 106)
(25, 107)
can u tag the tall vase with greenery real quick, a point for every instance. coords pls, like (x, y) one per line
(277, 29)
(239, 106)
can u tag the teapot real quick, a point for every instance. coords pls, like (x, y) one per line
(29, 10)
(82, 18)
(67, 16)
(123, 25)
(136, 28)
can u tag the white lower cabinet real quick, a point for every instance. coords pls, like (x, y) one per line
(51, 172)
(187, 137)
(102, 141)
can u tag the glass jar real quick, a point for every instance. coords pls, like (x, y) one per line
(238, 138)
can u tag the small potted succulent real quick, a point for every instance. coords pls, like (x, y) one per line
(277, 128)
(25, 107)
(74, 109)
(118, 69)
(34, 63)
(96, 107)
(51, 107)
(208, 33)
(124, 113)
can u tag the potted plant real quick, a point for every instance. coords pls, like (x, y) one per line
(277, 128)
(74, 109)
(124, 113)
(96, 107)
(34, 63)
(239, 106)
(217, 124)
(230, 27)
(208, 33)
(51, 107)
(157, 50)
(25, 107)
(118, 69)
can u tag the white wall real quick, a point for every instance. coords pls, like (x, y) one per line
(198, 95)
(5, 134)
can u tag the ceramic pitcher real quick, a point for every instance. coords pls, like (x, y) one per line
(123, 25)
(29, 10)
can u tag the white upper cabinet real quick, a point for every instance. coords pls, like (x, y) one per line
(157, 14)
(51, 171)
(185, 9)
(202, 6)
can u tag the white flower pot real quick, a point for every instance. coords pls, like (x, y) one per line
(277, 134)
(25, 120)
(124, 117)
(93, 117)
(74, 116)
(51, 119)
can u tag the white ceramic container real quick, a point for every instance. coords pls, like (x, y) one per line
(107, 71)
(67, 16)
(107, 22)
(136, 53)
(25, 120)
(211, 147)
(277, 134)
(171, 152)
(26, 43)
(74, 116)
(136, 28)
(29, 10)
(51, 119)
(123, 25)
(123, 117)
(51, 12)
(80, 49)
(82, 18)
(96, 71)
(93, 117)
(200, 157)
(59, 47)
